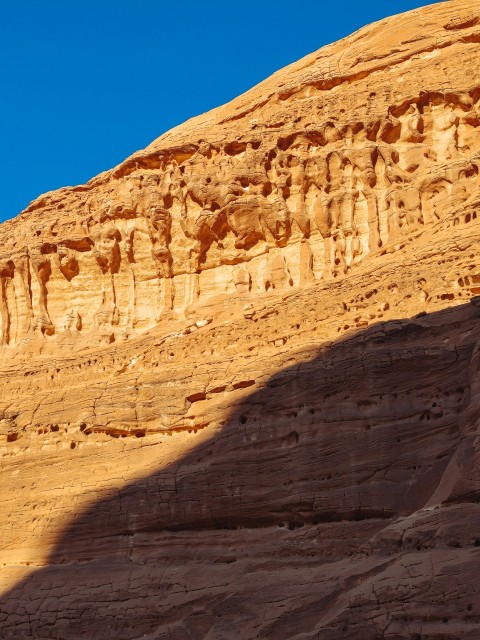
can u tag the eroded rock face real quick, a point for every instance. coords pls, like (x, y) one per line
(349, 151)
(240, 388)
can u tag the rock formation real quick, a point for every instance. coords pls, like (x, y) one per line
(240, 370)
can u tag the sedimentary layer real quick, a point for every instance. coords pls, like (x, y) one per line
(326, 163)
(239, 371)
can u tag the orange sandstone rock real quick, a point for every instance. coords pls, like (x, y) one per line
(240, 370)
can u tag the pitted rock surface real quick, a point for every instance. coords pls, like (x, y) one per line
(240, 371)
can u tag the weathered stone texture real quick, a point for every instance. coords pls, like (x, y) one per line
(240, 371)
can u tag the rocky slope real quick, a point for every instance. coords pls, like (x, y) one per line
(239, 371)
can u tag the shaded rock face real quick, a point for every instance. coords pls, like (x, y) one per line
(240, 372)
(339, 500)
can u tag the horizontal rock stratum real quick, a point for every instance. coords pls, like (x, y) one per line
(240, 371)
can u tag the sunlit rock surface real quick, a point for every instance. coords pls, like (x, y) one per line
(240, 387)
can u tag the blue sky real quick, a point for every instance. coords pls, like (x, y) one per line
(86, 83)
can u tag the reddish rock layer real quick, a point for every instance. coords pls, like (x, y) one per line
(240, 388)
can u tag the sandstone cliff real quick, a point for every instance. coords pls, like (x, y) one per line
(239, 371)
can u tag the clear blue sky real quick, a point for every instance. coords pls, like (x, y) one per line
(85, 83)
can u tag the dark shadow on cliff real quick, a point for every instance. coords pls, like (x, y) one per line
(329, 452)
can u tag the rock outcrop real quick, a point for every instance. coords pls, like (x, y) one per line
(240, 388)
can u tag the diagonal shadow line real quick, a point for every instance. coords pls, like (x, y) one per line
(330, 450)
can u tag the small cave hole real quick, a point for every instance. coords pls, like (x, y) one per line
(243, 419)
(73, 445)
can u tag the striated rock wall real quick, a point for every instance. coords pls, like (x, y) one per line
(325, 505)
(344, 156)
(239, 372)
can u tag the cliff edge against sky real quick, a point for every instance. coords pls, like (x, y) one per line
(240, 389)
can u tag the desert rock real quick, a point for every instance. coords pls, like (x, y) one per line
(240, 371)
